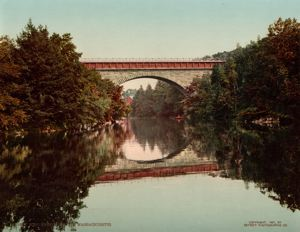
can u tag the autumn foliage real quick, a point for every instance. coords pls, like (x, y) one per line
(44, 85)
(261, 80)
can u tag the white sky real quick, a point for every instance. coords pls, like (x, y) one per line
(135, 84)
(149, 28)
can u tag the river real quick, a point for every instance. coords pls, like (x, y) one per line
(152, 175)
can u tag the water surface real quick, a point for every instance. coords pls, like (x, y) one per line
(152, 175)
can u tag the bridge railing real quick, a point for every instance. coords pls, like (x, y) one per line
(112, 60)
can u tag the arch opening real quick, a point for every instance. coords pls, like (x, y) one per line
(170, 82)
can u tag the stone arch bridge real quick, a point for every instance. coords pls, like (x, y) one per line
(178, 72)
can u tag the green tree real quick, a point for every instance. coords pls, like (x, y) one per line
(167, 100)
(198, 102)
(259, 81)
(164, 100)
(137, 102)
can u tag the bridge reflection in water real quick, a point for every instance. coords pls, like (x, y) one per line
(186, 162)
(158, 172)
(156, 148)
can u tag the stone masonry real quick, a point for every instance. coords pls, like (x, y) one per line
(181, 78)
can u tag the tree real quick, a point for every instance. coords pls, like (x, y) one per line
(270, 71)
(259, 81)
(53, 75)
(167, 100)
(198, 102)
(11, 116)
(143, 102)
(164, 100)
(60, 92)
(283, 42)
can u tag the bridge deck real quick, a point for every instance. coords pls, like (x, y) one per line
(150, 64)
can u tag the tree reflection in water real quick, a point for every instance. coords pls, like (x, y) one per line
(273, 162)
(168, 135)
(270, 157)
(43, 179)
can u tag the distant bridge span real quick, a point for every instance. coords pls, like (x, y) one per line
(179, 72)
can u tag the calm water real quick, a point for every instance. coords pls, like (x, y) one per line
(152, 175)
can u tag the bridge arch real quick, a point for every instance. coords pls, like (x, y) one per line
(180, 88)
(178, 72)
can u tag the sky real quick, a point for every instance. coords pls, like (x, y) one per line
(149, 28)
